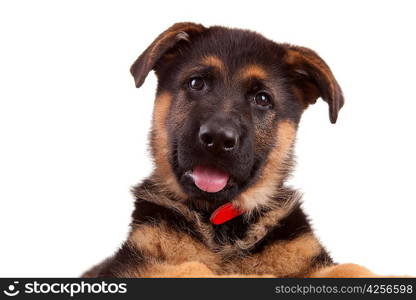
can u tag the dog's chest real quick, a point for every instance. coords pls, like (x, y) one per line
(234, 254)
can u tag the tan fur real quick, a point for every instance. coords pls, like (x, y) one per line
(253, 71)
(163, 170)
(194, 269)
(343, 271)
(191, 216)
(266, 186)
(214, 61)
(189, 269)
(174, 246)
(283, 258)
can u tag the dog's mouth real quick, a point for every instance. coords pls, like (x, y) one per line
(205, 177)
(209, 178)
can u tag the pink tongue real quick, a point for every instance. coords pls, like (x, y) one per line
(209, 179)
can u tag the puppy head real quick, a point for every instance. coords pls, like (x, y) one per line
(227, 108)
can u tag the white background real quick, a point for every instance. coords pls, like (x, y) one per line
(73, 128)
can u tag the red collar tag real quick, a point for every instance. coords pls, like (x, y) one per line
(225, 213)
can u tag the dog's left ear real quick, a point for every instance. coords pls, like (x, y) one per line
(312, 78)
(166, 41)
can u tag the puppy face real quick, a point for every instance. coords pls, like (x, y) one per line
(227, 109)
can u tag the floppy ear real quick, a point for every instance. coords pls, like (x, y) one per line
(312, 79)
(160, 46)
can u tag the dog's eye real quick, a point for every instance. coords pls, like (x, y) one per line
(196, 83)
(262, 99)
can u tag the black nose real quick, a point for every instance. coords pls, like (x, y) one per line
(215, 136)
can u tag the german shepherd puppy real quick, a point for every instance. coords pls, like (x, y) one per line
(227, 108)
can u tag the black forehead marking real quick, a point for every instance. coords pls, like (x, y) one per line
(236, 48)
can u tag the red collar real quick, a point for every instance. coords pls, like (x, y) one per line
(225, 213)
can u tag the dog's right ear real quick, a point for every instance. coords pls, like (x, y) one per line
(166, 41)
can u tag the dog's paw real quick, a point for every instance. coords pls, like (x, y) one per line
(348, 271)
(184, 270)
(343, 271)
(195, 269)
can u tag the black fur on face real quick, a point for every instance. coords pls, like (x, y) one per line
(227, 98)
(236, 82)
